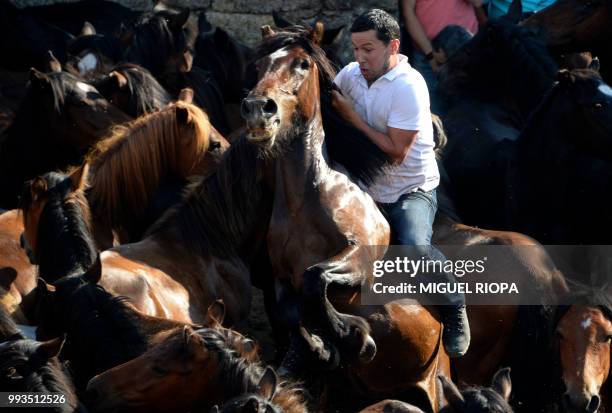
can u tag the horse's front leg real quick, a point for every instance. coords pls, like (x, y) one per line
(349, 333)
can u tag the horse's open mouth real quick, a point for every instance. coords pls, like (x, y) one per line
(263, 134)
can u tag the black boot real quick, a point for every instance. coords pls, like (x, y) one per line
(456, 336)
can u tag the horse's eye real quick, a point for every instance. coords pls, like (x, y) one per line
(13, 374)
(305, 65)
(158, 370)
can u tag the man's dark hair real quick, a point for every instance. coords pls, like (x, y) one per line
(383, 23)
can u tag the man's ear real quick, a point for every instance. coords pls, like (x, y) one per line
(395, 45)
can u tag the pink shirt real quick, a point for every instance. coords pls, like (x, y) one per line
(435, 15)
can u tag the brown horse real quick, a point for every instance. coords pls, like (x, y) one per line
(17, 274)
(576, 26)
(321, 222)
(70, 116)
(583, 336)
(189, 370)
(155, 151)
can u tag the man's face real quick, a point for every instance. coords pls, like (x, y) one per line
(371, 54)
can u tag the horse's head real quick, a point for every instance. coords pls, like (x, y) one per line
(584, 334)
(480, 399)
(72, 108)
(91, 52)
(132, 89)
(574, 24)
(182, 368)
(28, 365)
(287, 92)
(259, 402)
(45, 201)
(163, 41)
(590, 106)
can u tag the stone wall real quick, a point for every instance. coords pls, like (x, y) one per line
(243, 18)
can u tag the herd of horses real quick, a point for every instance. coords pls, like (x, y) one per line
(141, 215)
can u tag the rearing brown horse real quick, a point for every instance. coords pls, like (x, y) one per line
(321, 224)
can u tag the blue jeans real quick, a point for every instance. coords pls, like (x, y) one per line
(411, 219)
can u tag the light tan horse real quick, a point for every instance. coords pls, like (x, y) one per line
(128, 167)
(17, 274)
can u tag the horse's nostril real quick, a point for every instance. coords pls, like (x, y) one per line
(270, 107)
(593, 404)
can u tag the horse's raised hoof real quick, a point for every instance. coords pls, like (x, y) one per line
(368, 351)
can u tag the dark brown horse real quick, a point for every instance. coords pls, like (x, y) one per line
(186, 370)
(102, 331)
(32, 366)
(321, 222)
(576, 26)
(70, 117)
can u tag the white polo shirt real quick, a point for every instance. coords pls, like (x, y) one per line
(398, 99)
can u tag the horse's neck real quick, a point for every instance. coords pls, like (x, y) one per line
(302, 166)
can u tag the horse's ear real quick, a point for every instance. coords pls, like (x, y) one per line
(204, 25)
(267, 384)
(53, 65)
(88, 29)
(595, 64)
(515, 12)
(316, 33)
(279, 21)
(94, 273)
(330, 35)
(52, 347)
(118, 80)
(502, 383)
(179, 20)
(452, 393)
(564, 76)
(186, 95)
(216, 313)
(43, 288)
(78, 177)
(266, 32)
(221, 38)
(38, 78)
(38, 186)
(182, 115)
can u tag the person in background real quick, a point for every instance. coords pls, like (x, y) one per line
(425, 19)
(498, 8)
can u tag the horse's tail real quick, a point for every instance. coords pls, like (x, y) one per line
(439, 134)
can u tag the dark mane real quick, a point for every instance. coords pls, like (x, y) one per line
(145, 92)
(153, 42)
(64, 236)
(218, 210)
(588, 296)
(345, 144)
(242, 369)
(105, 330)
(47, 375)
